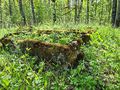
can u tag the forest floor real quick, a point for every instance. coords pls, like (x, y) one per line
(99, 70)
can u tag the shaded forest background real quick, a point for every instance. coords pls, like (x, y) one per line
(29, 12)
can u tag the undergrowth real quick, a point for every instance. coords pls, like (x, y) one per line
(100, 69)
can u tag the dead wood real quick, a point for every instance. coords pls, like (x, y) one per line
(7, 42)
(57, 31)
(65, 55)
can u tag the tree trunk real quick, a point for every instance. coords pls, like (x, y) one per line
(80, 10)
(69, 8)
(22, 12)
(10, 12)
(92, 10)
(10, 8)
(0, 14)
(117, 24)
(76, 9)
(109, 10)
(54, 11)
(33, 11)
(69, 5)
(101, 14)
(114, 10)
(87, 13)
(49, 2)
(44, 1)
(96, 8)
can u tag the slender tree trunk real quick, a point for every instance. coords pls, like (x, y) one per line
(44, 1)
(54, 11)
(101, 14)
(109, 11)
(49, 2)
(96, 8)
(69, 5)
(14, 4)
(0, 14)
(87, 13)
(118, 15)
(92, 10)
(10, 8)
(76, 9)
(22, 12)
(69, 8)
(80, 10)
(10, 11)
(33, 11)
(114, 10)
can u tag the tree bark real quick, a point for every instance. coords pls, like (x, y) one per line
(0, 14)
(114, 10)
(33, 11)
(69, 5)
(87, 13)
(101, 14)
(54, 11)
(96, 8)
(109, 10)
(44, 1)
(117, 24)
(76, 9)
(10, 8)
(80, 10)
(69, 10)
(22, 12)
(49, 2)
